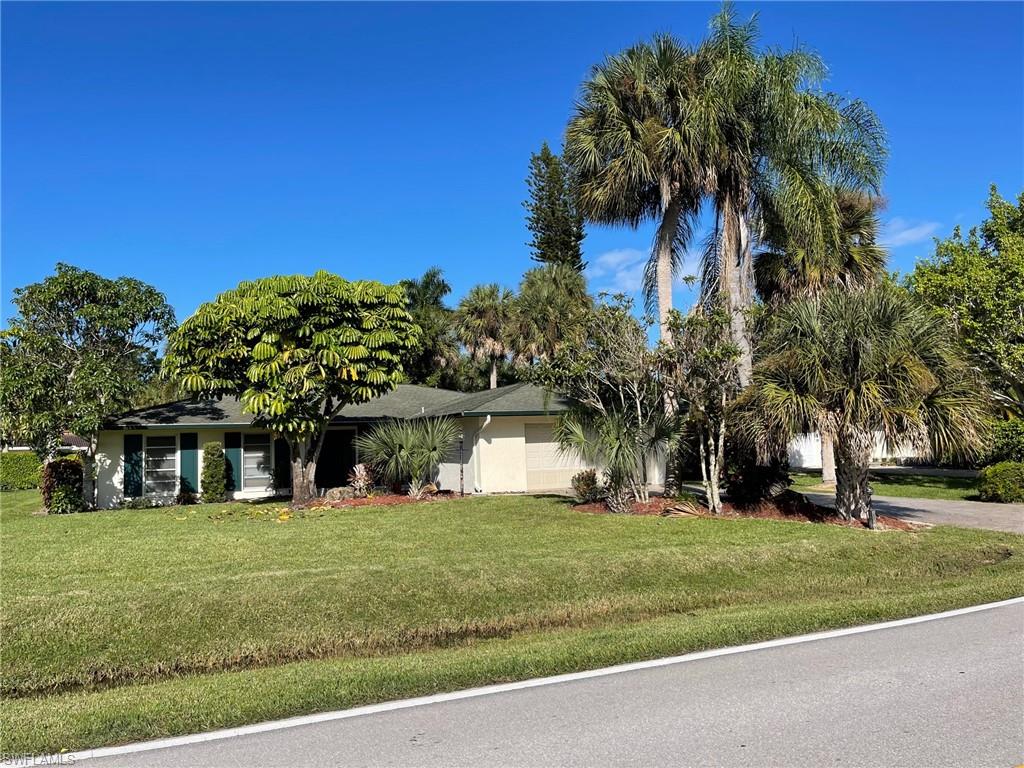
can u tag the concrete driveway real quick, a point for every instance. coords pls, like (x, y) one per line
(967, 514)
(949, 691)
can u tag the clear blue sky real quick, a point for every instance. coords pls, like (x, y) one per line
(193, 145)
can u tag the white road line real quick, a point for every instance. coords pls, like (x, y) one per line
(389, 706)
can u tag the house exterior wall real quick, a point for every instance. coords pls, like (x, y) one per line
(804, 451)
(448, 471)
(110, 461)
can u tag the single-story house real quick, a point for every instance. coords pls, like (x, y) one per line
(506, 446)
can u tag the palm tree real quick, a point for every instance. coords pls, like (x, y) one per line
(632, 150)
(858, 364)
(787, 270)
(409, 451)
(482, 324)
(777, 147)
(438, 348)
(548, 312)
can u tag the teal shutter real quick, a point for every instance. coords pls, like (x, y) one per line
(189, 447)
(233, 454)
(132, 466)
(282, 464)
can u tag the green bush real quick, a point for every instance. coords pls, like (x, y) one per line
(586, 487)
(62, 486)
(20, 470)
(1003, 482)
(215, 473)
(1007, 442)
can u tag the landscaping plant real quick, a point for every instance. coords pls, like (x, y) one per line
(1002, 482)
(360, 479)
(62, 486)
(215, 473)
(19, 470)
(586, 487)
(408, 452)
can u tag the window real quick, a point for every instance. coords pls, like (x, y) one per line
(161, 466)
(256, 462)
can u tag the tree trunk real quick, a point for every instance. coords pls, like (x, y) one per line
(853, 459)
(737, 282)
(89, 474)
(828, 459)
(494, 373)
(664, 244)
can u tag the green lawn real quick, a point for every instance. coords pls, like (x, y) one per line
(907, 486)
(127, 625)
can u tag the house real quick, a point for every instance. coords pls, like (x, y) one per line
(506, 445)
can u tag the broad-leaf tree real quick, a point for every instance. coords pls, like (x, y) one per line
(553, 216)
(859, 365)
(483, 324)
(978, 283)
(295, 350)
(77, 353)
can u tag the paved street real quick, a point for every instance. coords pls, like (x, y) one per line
(948, 692)
(968, 514)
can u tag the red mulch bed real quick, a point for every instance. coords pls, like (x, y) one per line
(383, 500)
(787, 506)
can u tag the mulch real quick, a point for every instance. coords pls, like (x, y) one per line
(788, 505)
(382, 500)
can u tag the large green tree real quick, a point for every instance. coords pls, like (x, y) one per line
(437, 350)
(553, 216)
(483, 324)
(295, 349)
(78, 351)
(859, 364)
(548, 312)
(977, 282)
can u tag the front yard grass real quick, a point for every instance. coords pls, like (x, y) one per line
(127, 625)
(909, 486)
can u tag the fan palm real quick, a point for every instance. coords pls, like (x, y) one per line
(437, 348)
(777, 147)
(632, 149)
(858, 364)
(408, 451)
(548, 312)
(482, 324)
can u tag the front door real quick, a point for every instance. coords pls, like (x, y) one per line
(337, 458)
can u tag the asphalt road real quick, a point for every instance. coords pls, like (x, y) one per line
(968, 514)
(948, 692)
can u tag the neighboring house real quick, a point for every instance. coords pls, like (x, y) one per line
(506, 446)
(69, 444)
(805, 452)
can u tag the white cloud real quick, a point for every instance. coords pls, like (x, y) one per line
(618, 271)
(898, 231)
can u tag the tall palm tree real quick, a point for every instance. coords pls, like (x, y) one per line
(788, 270)
(482, 324)
(438, 348)
(632, 150)
(777, 146)
(548, 312)
(858, 364)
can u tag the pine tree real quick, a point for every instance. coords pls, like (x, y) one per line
(553, 216)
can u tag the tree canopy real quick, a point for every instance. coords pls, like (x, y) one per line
(977, 283)
(295, 349)
(553, 217)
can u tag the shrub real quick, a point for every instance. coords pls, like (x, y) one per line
(409, 452)
(1003, 482)
(185, 497)
(62, 486)
(749, 481)
(20, 470)
(215, 473)
(1007, 442)
(361, 481)
(586, 487)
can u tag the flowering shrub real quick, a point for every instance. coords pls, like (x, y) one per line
(361, 481)
(62, 486)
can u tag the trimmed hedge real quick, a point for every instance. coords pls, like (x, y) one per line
(1007, 442)
(62, 486)
(1003, 482)
(20, 470)
(215, 473)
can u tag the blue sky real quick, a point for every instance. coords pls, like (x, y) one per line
(194, 145)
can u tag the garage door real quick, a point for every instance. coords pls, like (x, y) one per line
(546, 467)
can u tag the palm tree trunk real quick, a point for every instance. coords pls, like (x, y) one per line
(853, 458)
(664, 243)
(494, 373)
(828, 459)
(737, 281)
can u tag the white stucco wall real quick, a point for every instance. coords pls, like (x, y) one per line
(448, 471)
(804, 452)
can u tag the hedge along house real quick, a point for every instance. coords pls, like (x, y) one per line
(506, 447)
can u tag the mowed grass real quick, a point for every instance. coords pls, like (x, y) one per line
(126, 625)
(908, 486)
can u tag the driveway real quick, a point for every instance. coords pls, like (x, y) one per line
(967, 514)
(944, 692)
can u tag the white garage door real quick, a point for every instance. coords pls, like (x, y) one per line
(547, 468)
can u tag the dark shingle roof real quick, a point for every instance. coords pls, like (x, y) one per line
(406, 401)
